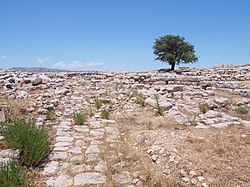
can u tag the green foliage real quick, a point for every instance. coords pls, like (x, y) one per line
(11, 175)
(174, 50)
(79, 118)
(242, 110)
(105, 114)
(204, 107)
(159, 109)
(139, 99)
(50, 114)
(193, 121)
(98, 103)
(32, 141)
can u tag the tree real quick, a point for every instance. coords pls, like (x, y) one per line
(174, 50)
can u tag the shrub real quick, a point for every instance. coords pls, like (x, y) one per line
(242, 110)
(204, 107)
(105, 114)
(98, 103)
(11, 175)
(32, 141)
(79, 118)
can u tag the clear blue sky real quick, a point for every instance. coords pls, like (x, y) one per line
(117, 35)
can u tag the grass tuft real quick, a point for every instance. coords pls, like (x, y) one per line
(159, 109)
(105, 114)
(242, 110)
(98, 103)
(79, 118)
(204, 107)
(50, 114)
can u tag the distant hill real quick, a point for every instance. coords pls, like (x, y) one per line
(36, 69)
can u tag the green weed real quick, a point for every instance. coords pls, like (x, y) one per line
(79, 118)
(204, 107)
(105, 114)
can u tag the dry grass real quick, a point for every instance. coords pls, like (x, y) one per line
(12, 109)
(220, 155)
(124, 156)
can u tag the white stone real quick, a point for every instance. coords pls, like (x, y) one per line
(50, 182)
(101, 166)
(201, 178)
(80, 143)
(122, 178)
(76, 150)
(51, 168)
(60, 148)
(97, 132)
(62, 144)
(64, 139)
(63, 181)
(89, 179)
(59, 156)
(93, 149)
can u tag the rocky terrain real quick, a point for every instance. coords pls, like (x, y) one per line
(189, 128)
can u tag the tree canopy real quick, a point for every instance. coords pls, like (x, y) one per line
(174, 50)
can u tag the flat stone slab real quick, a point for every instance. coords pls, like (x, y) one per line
(97, 132)
(64, 139)
(62, 144)
(63, 181)
(89, 179)
(93, 149)
(51, 168)
(59, 156)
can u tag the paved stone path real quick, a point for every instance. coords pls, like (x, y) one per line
(76, 156)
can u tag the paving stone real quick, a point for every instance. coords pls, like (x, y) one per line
(59, 156)
(63, 181)
(64, 139)
(51, 168)
(93, 149)
(89, 179)
(60, 148)
(63, 144)
(75, 150)
(97, 132)
(80, 143)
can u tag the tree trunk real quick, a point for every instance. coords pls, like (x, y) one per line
(172, 66)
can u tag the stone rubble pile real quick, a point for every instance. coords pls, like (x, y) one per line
(75, 159)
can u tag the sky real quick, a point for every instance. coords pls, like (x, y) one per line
(118, 35)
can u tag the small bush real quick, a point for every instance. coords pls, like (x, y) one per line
(204, 107)
(193, 121)
(242, 110)
(140, 100)
(79, 118)
(98, 103)
(159, 109)
(32, 141)
(105, 114)
(11, 175)
(50, 114)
